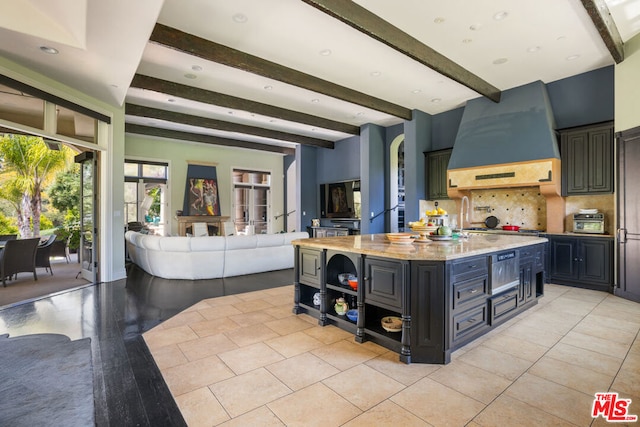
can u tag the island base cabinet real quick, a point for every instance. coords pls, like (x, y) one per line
(443, 305)
(427, 300)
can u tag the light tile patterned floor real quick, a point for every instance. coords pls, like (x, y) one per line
(246, 360)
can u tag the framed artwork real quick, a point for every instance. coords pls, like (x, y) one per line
(203, 197)
(338, 205)
(201, 192)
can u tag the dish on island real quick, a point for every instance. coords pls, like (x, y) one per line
(400, 238)
(391, 323)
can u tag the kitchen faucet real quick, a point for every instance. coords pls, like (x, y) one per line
(466, 213)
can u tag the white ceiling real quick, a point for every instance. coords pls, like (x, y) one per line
(102, 45)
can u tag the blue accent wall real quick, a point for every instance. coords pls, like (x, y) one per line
(340, 164)
(308, 185)
(445, 128)
(417, 140)
(583, 99)
(372, 181)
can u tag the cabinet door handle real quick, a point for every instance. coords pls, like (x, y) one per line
(575, 259)
(473, 291)
(473, 266)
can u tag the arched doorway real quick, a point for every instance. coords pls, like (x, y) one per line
(396, 184)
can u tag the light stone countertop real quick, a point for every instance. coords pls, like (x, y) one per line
(378, 245)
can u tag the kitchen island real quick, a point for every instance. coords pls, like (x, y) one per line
(446, 293)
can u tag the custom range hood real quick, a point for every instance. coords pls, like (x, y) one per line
(509, 144)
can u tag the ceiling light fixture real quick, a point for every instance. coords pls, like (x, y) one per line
(438, 20)
(239, 18)
(50, 50)
(315, 100)
(325, 52)
(268, 87)
(360, 114)
(499, 61)
(376, 74)
(191, 76)
(416, 91)
(533, 49)
(171, 100)
(573, 57)
(475, 27)
(501, 15)
(436, 100)
(196, 68)
(467, 41)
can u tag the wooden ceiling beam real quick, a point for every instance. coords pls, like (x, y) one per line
(171, 116)
(603, 21)
(206, 139)
(215, 98)
(211, 51)
(361, 19)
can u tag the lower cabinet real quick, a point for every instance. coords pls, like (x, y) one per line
(581, 261)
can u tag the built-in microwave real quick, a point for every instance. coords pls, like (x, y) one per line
(588, 223)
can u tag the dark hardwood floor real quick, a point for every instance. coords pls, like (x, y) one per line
(128, 387)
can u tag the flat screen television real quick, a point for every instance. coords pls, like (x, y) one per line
(340, 199)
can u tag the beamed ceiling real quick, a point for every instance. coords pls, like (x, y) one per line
(271, 74)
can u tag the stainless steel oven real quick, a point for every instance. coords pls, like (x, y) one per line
(505, 271)
(588, 223)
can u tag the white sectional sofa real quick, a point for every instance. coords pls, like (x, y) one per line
(211, 257)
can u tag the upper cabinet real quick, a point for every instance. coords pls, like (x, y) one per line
(587, 160)
(436, 163)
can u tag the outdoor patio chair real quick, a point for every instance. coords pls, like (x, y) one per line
(60, 248)
(43, 254)
(5, 237)
(18, 256)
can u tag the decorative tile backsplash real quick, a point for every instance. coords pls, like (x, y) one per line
(525, 207)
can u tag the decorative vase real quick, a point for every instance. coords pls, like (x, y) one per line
(341, 306)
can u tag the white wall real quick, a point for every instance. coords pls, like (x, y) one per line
(627, 89)
(179, 153)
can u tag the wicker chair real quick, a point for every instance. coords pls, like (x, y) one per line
(43, 254)
(60, 248)
(18, 256)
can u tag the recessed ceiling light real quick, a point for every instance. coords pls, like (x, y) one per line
(499, 61)
(325, 52)
(376, 74)
(561, 38)
(438, 20)
(314, 129)
(171, 100)
(50, 50)
(533, 49)
(315, 100)
(191, 76)
(230, 112)
(239, 18)
(573, 57)
(360, 114)
(272, 121)
(268, 87)
(467, 41)
(501, 15)
(436, 100)
(475, 27)
(196, 68)
(416, 91)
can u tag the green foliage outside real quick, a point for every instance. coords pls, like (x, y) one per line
(28, 171)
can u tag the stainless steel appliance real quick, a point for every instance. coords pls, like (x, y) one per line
(588, 223)
(505, 271)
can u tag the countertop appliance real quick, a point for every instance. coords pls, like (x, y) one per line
(505, 271)
(592, 223)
